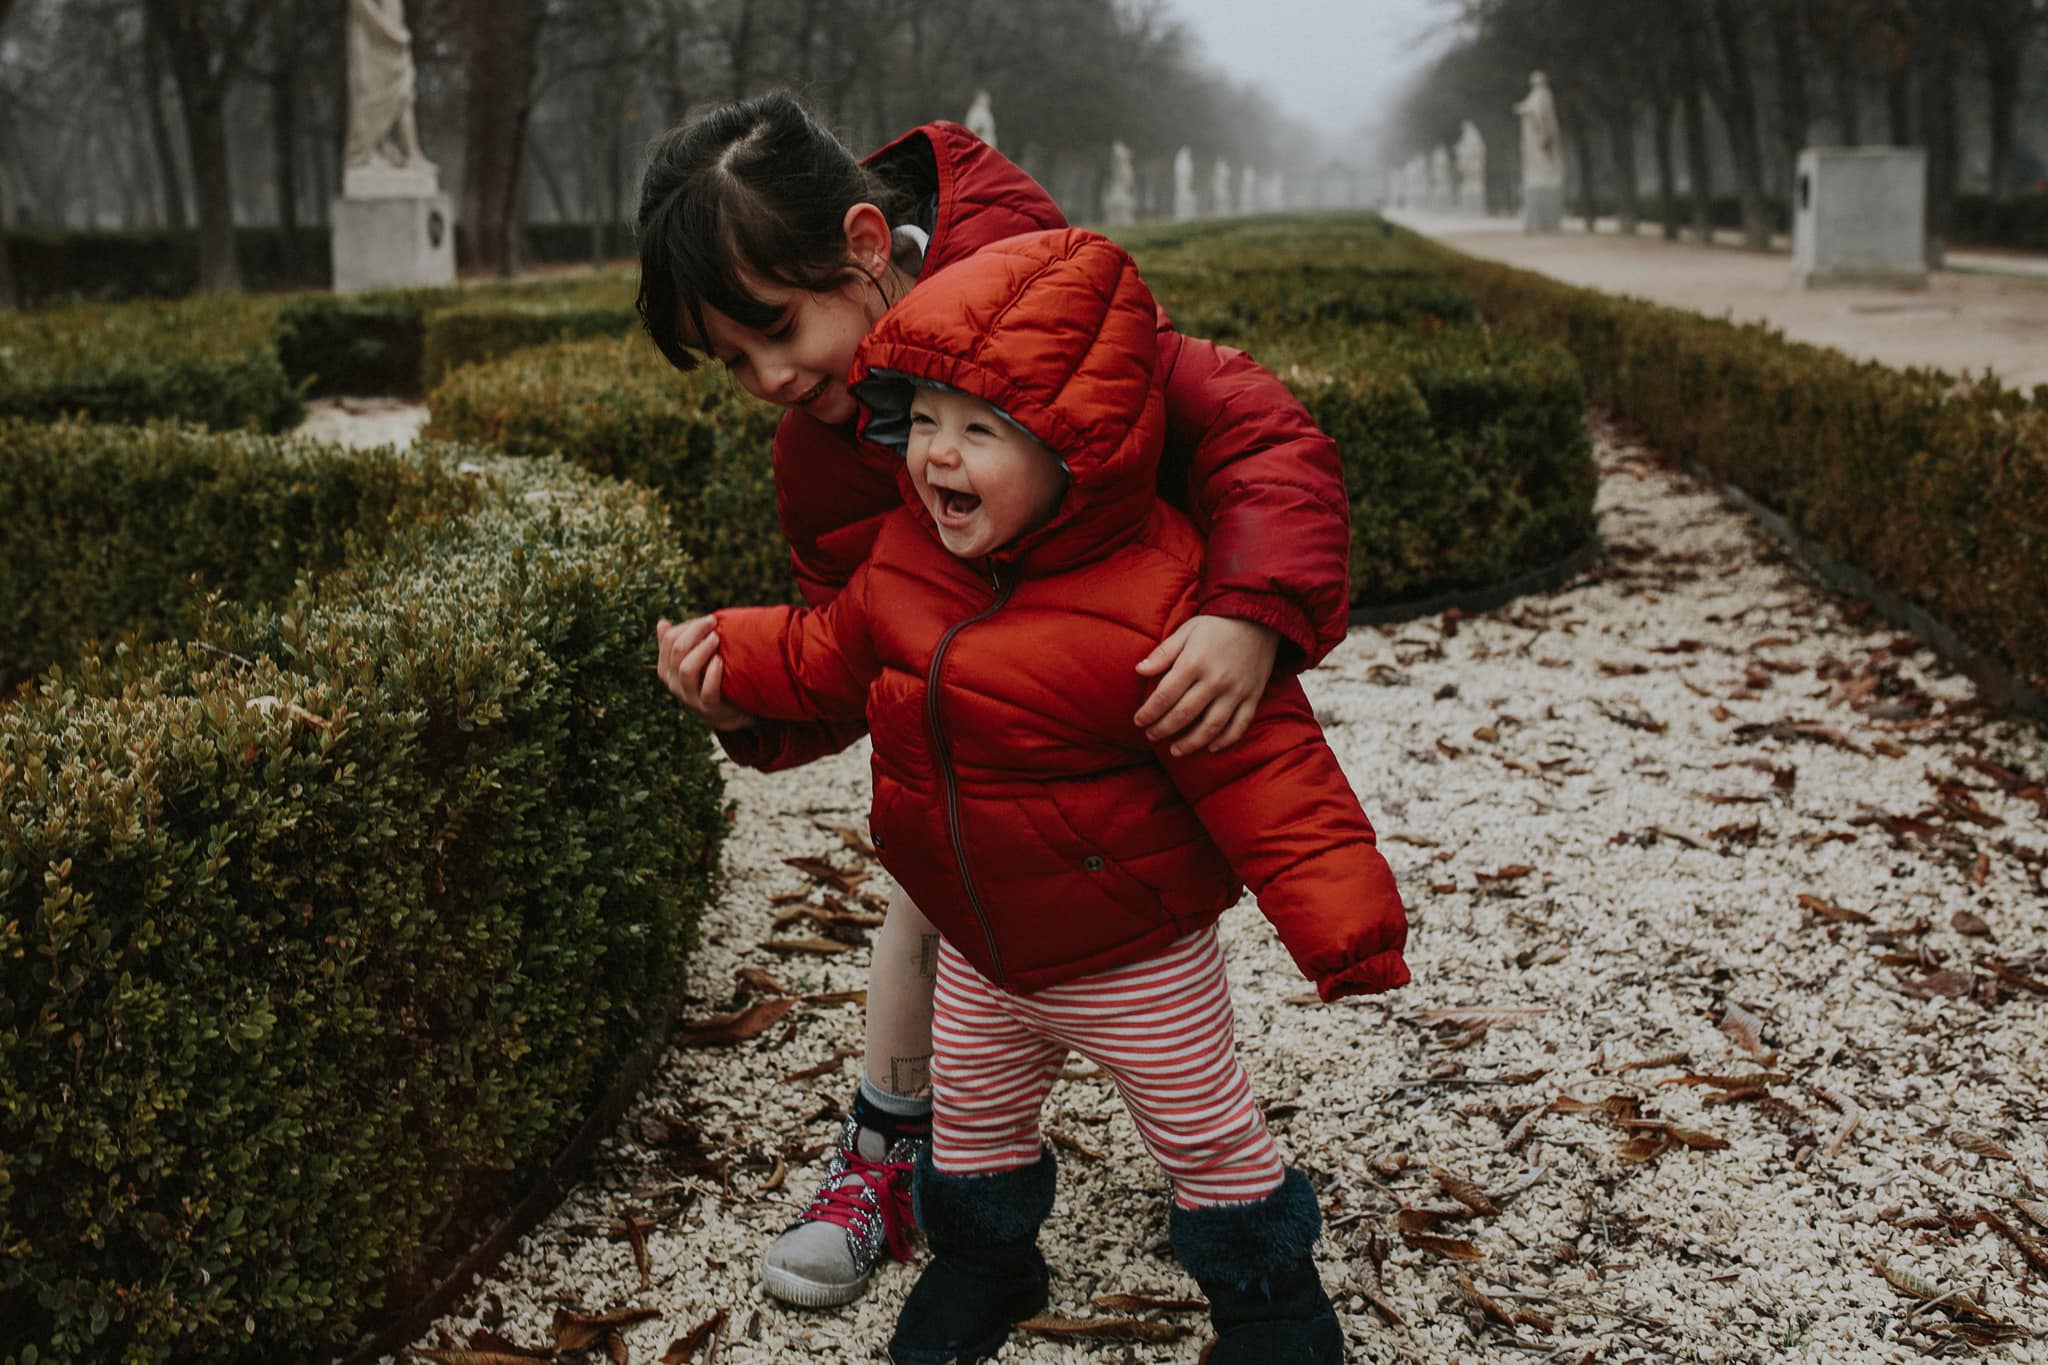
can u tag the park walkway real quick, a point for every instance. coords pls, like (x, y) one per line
(1730, 935)
(1990, 311)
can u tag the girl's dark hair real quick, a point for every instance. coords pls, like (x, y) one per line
(755, 190)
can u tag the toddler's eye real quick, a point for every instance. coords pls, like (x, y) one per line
(980, 429)
(918, 419)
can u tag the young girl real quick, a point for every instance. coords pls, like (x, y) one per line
(1074, 868)
(768, 248)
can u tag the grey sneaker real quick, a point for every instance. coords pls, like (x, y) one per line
(860, 1213)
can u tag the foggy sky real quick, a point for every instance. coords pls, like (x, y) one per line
(1336, 63)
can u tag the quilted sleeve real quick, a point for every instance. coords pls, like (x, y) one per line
(808, 664)
(1265, 487)
(1279, 807)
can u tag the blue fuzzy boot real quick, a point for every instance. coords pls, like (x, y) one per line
(1255, 1262)
(985, 1272)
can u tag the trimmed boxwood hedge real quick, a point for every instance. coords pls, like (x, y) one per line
(615, 407)
(212, 361)
(316, 924)
(1937, 487)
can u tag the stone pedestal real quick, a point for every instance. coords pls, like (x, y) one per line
(392, 241)
(1542, 208)
(1859, 216)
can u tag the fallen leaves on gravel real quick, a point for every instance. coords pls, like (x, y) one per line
(2028, 1247)
(822, 869)
(815, 946)
(1457, 1248)
(512, 1356)
(1103, 1329)
(1955, 1300)
(721, 1030)
(1827, 909)
(683, 1350)
(1976, 1144)
(1746, 1029)
(581, 1331)
(1464, 1191)
(1144, 1303)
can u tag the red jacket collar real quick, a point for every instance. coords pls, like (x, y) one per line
(983, 196)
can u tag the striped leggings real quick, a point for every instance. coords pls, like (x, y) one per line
(1161, 1028)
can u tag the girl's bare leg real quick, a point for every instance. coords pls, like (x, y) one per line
(861, 1211)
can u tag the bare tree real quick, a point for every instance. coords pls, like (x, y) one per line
(1735, 96)
(500, 41)
(9, 297)
(205, 40)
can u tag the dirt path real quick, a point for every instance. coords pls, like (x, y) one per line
(1964, 321)
(1730, 928)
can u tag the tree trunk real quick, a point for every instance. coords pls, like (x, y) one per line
(1582, 147)
(1898, 105)
(2002, 54)
(1699, 169)
(10, 297)
(1621, 142)
(501, 41)
(284, 126)
(1848, 104)
(1738, 111)
(1667, 175)
(1789, 47)
(159, 128)
(202, 93)
(1935, 57)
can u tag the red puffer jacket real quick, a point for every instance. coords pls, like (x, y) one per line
(1013, 797)
(1242, 455)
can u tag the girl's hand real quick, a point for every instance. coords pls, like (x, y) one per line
(1216, 670)
(689, 665)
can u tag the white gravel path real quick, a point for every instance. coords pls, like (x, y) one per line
(1604, 825)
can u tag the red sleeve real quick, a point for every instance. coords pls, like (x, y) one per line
(1281, 810)
(809, 664)
(1266, 489)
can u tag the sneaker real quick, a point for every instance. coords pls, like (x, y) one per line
(860, 1213)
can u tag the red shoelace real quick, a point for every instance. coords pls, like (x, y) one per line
(842, 1202)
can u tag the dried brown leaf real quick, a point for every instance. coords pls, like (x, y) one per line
(722, 1029)
(1966, 922)
(1906, 1282)
(2035, 1209)
(1696, 1139)
(1827, 909)
(2012, 976)
(2036, 1258)
(1103, 1329)
(1512, 872)
(1479, 1017)
(1373, 1296)
(1524, 1126)
(1745, 1028)
(1067, 1142)
(1978, 1145)
(821, 869)
(830, 1064)
(837, 998)
(1422, 1220)
(1478, 1299)
(1457, 1248)
(581, 1331)
(615, 1349)
(1946, 982)
(683, 1350)
(759, 979)
(1464, 1191)
(493, 1357)
(1644, 1147)
(1663, 1059)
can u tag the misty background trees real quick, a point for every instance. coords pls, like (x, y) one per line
(1699, 100)
(210, 115)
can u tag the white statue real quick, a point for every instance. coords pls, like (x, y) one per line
(1120, 200)
(981, 120)
(1417, 174)
(1471, 158)
(1184, 185)
(1219, 189)
(1542, 140)
(1248, 191)
(1542, 159)
(1443, 181)
(382, 135)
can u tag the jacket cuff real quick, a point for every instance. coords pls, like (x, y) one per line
(743, 746)
(1275, 612)
(1369, 976)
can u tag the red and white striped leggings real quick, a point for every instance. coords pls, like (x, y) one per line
(1161, 1028)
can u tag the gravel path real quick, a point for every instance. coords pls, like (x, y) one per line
(1729, 936)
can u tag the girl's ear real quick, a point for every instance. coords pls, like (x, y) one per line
(867, 238)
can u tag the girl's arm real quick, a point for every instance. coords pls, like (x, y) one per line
(1280, 809)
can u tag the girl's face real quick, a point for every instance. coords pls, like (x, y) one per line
(800, 359)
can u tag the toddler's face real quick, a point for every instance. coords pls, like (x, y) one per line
(984, 481)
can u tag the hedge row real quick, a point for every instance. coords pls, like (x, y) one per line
(316, 925)
(134, 263)
(1466, 456)
(211, 361)
(246, 361)
(1936, 487)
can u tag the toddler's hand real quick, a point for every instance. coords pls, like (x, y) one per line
(1216, 670)
(688, 662)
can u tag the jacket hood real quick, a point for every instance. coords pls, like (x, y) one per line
(1057, 331)
(981, 195)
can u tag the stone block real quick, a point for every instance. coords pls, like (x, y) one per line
(393, 242)
(1859, 216)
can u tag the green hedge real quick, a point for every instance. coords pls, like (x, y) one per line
(615, 407)
(1935, 487)
(309, 937)
(211, 361)
(483, 330)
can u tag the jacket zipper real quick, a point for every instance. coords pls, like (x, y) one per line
(946, 774)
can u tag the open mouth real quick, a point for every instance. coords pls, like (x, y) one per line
(815, 393)
(956, 507)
